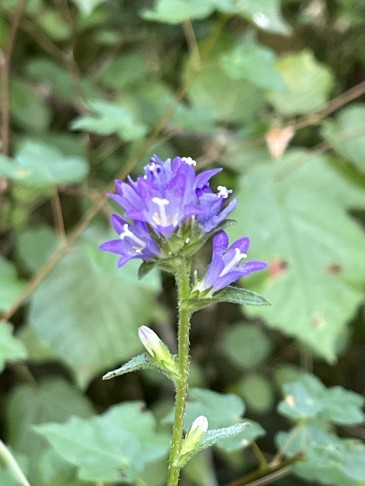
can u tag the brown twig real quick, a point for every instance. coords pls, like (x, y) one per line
(5, 65)
(269, 474)
(5, 61)
(57, 215)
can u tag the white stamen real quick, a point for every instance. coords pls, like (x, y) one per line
(188, 160)
(224, 192)
(236, 259)
(127, 233)
(161, 218)
(152, 166)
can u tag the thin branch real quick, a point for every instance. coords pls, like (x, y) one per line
(269, 474)
(9, 459)
(57, 215)
(192, 43)
(5, 61)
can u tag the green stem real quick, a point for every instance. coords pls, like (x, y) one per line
(12, 464)
(183, 292)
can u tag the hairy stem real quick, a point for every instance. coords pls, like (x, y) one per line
(183, 288)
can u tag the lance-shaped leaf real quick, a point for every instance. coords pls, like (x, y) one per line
(215, 435)
(140, 362)
(234, 295)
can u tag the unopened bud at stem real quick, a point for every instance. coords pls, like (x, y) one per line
(157, 349)
(195, 435)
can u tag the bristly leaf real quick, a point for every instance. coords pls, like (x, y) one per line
(215, 435)
(234, 295)
(140, 362)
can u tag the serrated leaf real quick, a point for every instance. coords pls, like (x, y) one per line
(101, 309)
(346, 134)
(52, 400)
(308, 84)
(112, 447)
(221, 410)
(241, 101)
(328, 458)
(139, 362)
(11, 348)
(308, 398)
(178, 11)
(317, 271)
(255, 63)
(215, 435)
(109, 118)
(10, 286)
(38, 164)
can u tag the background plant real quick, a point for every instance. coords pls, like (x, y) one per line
(89, 90)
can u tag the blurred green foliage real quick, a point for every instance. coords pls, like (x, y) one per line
(272, 91)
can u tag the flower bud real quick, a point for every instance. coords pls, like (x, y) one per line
(195, 435)
(157, 349)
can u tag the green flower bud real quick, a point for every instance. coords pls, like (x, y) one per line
(195, 435)
(157, 349)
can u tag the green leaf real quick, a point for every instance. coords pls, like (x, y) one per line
(237, 295)
(54, 24)
(59, 81)
(35, 245)
(221, 410)
(241, 101)
(234, 295)
(265, 14)
(11, 349)
(317, 271)
(309, 84)
(328, 459)
(38, 164)
(112, 447)
(308, 398)
(246, 346)
(10, 286)
(125, 71)
(178, 11)
(346, 134)
(109, 118)
(216, 435)
(254, 63)
(343, 407)
(52, 400)
(257, 391)
(140, 362)
(28, 108)
(101, 309)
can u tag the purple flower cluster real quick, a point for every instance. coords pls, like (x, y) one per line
(158, 204)
(226, 266)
